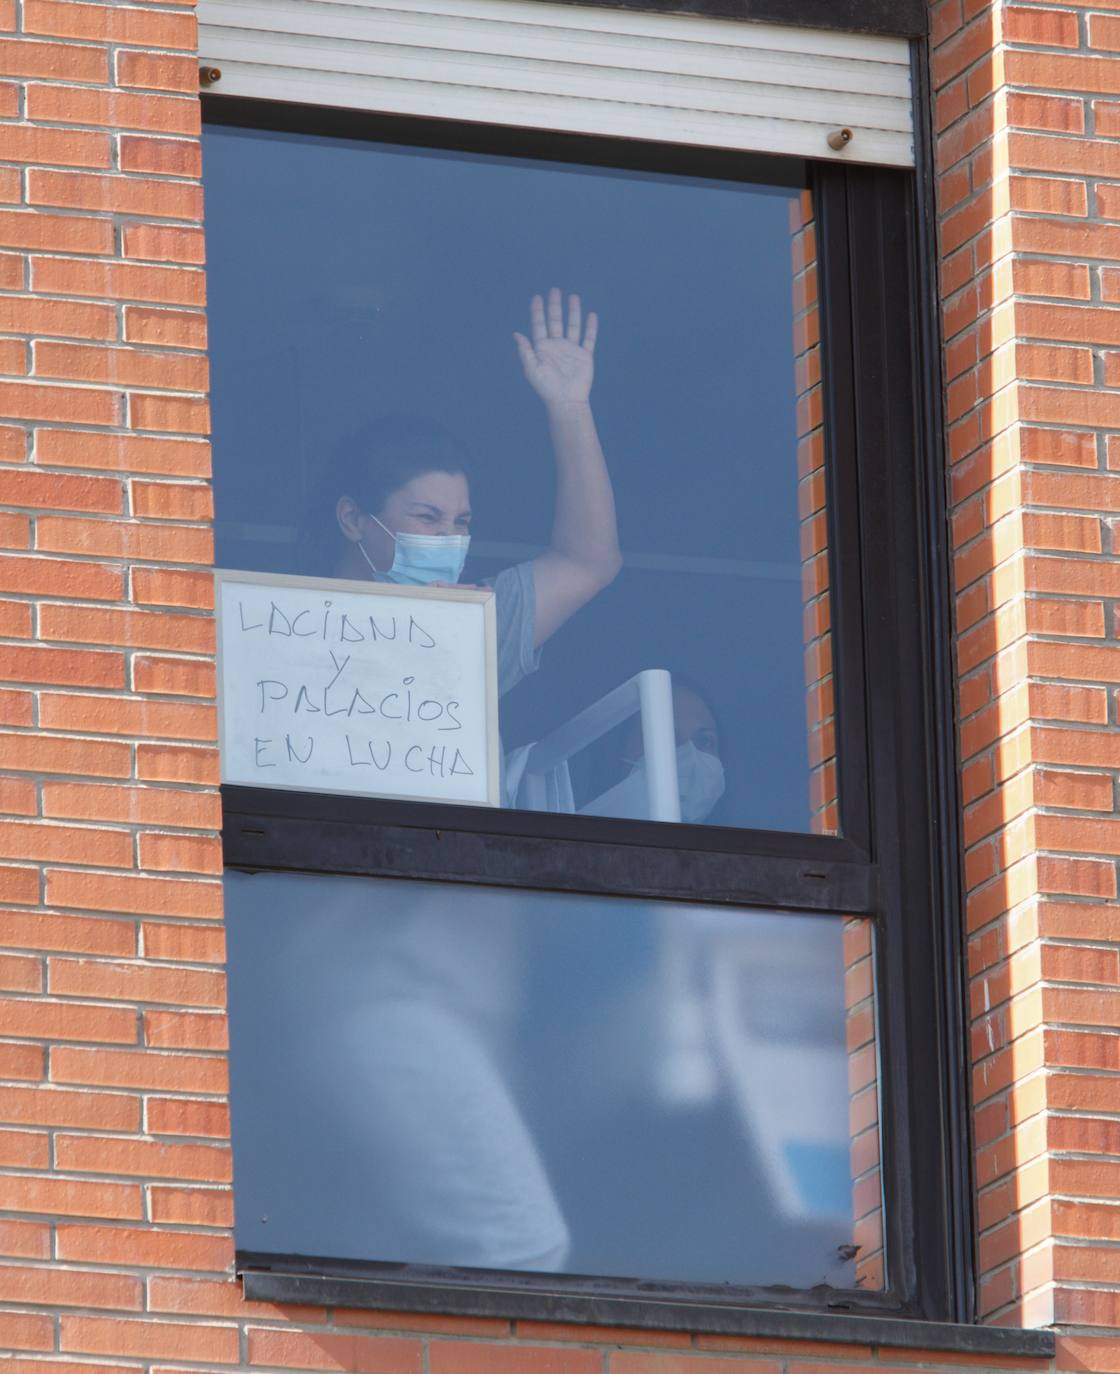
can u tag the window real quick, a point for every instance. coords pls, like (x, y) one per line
(657, 1007)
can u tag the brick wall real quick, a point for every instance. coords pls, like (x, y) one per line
(1027, 117)
(115, 1207)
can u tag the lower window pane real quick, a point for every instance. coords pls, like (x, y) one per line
(465, 1076)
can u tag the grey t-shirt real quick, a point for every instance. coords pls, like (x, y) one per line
(514, 613)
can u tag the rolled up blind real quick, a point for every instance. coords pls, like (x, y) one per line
(666, 78)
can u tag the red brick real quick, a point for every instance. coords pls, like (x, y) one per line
(79, 405)
(126, 453)
(25, 1150)
(158, 73)
(177, 157)
(36, 753)
(63, 667)
(58, 491)
(134, 629)
(111, 715)
(183, 1116)
(145, 1158)
(142, 895)
(181, 854)
(112, 109)
(58, 147)
(172, 501)
(26, 1330)
(190, 1207)
(164, 243)
(43, 1106)
(173, 677)
(144, 1069)
(122, 281)
(1032, 24)
(123, 367)
(25, 1240)
(76, 934)
(146, 1339)
(137, 982)
(164, 806)
(177, 414)
(66, 319)
(378, 1354)
(21, 1062)
(173, 328)
(31, 229)
(115, 539)
(54, 61)
(71, 1197)
(165, 587)
(16, 708)
(109, 24)
(143, 1248)
(60, 577)
(185, 1030)
(167, 763)
(57, 1287)
(122, 195)
(32, 1020)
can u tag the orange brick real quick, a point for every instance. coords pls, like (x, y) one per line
(66, 319)
(106, 982)
(115, 539)
(173, 677)
(177, 157)
(24, 1150)
(15, 531)
(117, 280)
(164, 243)
(18, 884)
(109, 715)
(13, 440)
(58, 491)
(79, 934)
(1046, 363)
(144, 1069)
(18, 797)
(173, 328)
(125, 367)
(126, 453)
(158, 73)
(182, 1116)
(1031, 110)
(46, 1106)
(78, 405)
(1048, 196)
(146, 1158)
(54, 61)
(189, 1207)
(1067, 617)
(25, 1240)
(177, 414)
(185, 1030)
(147, 1339)
(26, 1331)
(163, 806)
(180, 854)
(31, 229)
(1076, 533)
(172, 501)
(55, 1287)
(58, 147)
(63, 667)
(1068, 489)
(112, 109)
(143, 1248)
(109, 24)
(167, 763)
(65, 844)
(122, 195)
(134, 629)
(31, 1020)
(1049, 28)
(140, 895)
(190, 944)
(73, 1197)
(390, 1355)
(85, 758)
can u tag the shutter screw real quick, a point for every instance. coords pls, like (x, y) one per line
(839, 139)
(207, 76)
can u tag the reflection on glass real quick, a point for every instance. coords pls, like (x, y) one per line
(530, 1081)
(596, 391)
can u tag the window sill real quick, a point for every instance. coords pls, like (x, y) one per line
(476, 1299)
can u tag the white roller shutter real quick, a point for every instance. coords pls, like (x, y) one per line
(668, 78)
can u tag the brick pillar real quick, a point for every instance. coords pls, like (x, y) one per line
(1026, 150)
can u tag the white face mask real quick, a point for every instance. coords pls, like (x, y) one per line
(700, 780)
(420, 559)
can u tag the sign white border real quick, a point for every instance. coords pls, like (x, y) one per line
(483, 596)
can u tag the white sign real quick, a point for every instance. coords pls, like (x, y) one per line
(358, 687)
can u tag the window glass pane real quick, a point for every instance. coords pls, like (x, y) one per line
(391, 374)
(530, 1081)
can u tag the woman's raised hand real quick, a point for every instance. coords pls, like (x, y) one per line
(559, 359)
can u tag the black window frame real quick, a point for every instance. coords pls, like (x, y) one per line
(895, 860)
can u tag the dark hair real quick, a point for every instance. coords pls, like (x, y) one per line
(373, 462)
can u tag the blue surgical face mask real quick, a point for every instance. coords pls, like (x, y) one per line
(421, 559)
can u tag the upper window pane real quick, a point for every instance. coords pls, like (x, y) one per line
(594, 391)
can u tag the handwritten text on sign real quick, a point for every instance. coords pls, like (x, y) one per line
(331, 686)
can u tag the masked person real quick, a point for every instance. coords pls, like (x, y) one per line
(405, 511)
(700, 776)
